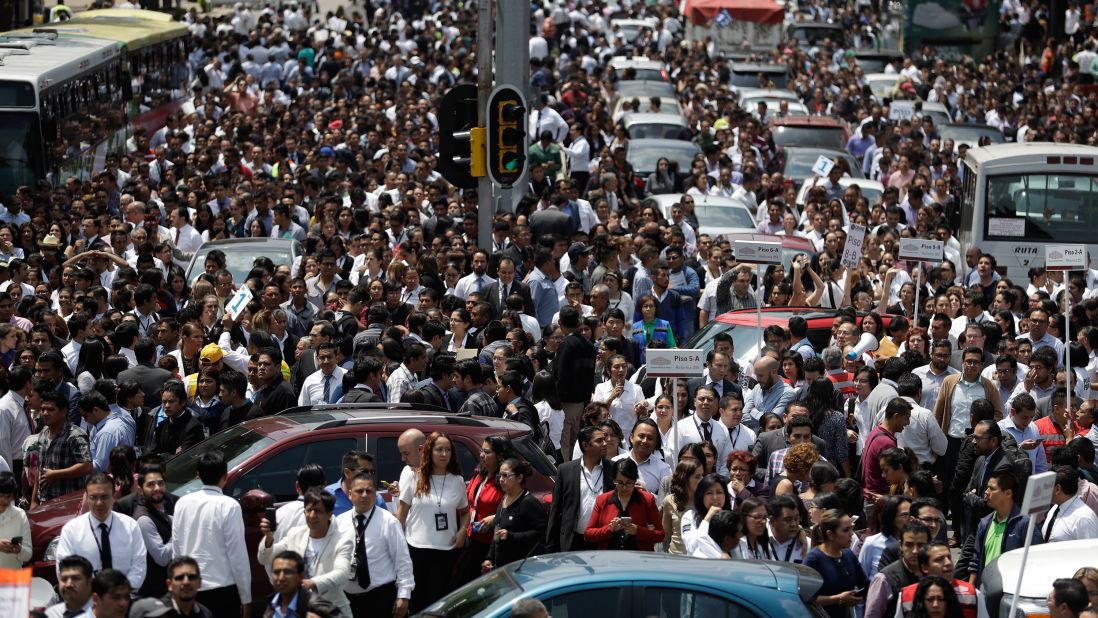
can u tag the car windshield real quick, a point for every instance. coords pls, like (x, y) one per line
(750, 79)
(236, 444)
(815, 36)
(962, 134)
(823, 137)
(644, 157)
(658, 131)
(798, 164)
(239, 258)
(723, 216)
(881, 87)
(471, 600)
(743, 340)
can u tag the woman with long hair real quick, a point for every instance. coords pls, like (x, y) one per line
(837, 565)
(889, 515)
(521, 520)
(665, 421)
(678, 500)
(822, 477)
(89, 364)
(627, 517)
(484, 494)
(121, 467)
(191, 340)
(710, 496)
(435, 514)
(756, 538)
(936, 598)
(550, 411)
(459, 330)
(828, 423)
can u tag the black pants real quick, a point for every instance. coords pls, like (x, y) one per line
(947, 469)
(433, 570)
(579, 543)
(377, 602)
(222, 602)
(473, 556)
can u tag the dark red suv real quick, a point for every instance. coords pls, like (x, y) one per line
(264, 454)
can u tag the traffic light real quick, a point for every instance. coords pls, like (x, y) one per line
(506, 135)
(457, 120)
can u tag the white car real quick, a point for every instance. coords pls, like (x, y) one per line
(646, 68)
(717, 216)
(871, 189)
(882, 85)
(1046, 564)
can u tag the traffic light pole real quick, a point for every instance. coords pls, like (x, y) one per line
(513, 68)
(485, 206)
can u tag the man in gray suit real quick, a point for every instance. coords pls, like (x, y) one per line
(150, 378)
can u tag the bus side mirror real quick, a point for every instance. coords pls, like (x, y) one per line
(127, 87)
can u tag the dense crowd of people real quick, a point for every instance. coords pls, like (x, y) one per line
(896, 474)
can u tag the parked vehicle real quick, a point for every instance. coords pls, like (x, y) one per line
(240, 253)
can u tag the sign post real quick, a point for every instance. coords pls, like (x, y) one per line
(758, 253)
(1066, 258)
(675, 364)
(918, 249)
(1037, 498)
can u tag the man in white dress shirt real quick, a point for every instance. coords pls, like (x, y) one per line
(186, 239)
(74, 588)
(731, 416)
(1069, 518)
(381, 572)
(702, 427)
(15, 417)
(624, 398)
(107, 539)
(477, 280)
(324, 385)
(209, 527)
(646, 454)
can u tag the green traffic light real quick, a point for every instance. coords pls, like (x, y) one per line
(511, 165)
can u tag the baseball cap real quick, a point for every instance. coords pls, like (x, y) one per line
(211, 353)
(577, 249)
(327, 151)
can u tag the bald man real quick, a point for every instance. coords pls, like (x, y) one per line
(410, 446)
(770, 394)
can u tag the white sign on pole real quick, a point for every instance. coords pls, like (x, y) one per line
(919, 249)
(239, 302)
(751, 252)
(1038, 493)
(1065, 257)
(675, 363)
(823, 166)
(852, 252)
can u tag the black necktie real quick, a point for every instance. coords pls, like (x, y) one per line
(362, 570)
(105, 546)
(1051, 521)
(707, 431)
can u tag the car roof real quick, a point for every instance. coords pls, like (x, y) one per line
(776, 316)
(639, 62)
(229, 242)
(633, 118)
(874, 77)
(659, 142)
(824, 122)
(667, 199)
(307, 419)
(757, 67)
(767, 93)
(551, 569)
(788, 242)
(926, 105)
(1045, 564)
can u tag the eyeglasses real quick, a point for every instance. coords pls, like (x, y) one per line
(625, 483)
(188, 576)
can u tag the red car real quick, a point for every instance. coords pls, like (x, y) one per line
(264, 454)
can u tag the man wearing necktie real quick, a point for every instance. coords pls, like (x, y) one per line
(107, 539)
(476, 281)
(719, 365)
(704, 427)
(382, 568)
(1069, 519)
(437, 391)
(325, 385)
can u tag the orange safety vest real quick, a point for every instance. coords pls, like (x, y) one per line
(965, 592)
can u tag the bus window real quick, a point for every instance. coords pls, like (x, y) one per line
(1054, 207)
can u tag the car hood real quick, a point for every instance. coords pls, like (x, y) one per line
(47, 520)
(1046, 563)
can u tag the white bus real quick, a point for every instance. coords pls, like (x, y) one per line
(1017, 198)
(61, 107)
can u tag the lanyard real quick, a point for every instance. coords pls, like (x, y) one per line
(362, 539)
(583, 474)
(95, 533)
(442, 490)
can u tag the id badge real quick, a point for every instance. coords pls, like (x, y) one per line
(442, 521)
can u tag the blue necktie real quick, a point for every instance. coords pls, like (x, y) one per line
(327, 388)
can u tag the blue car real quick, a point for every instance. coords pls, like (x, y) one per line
(625, 584)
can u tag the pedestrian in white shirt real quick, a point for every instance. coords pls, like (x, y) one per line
(702, 427)
(1069, 518)
(209, 527)
(324, 385)
(923, 435)
(381, 568)
(624, 398)
(107, 539)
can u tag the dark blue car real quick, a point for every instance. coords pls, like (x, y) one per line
(624, 584)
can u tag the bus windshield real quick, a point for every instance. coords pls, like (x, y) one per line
(1041, 207)
(20, 151)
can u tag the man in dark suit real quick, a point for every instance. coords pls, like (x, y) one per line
(150, 378)
(574, 372)
(579, 482)
(437, 393)
(719, 365)
(552, 221)
(515, 406)
(496, 293)
(182, 429)
(365, 384)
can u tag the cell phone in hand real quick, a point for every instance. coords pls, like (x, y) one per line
(625, 521)
(17, 540)
(859, 592)
(269, 515)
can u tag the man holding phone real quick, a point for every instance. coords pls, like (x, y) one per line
(1020, 425)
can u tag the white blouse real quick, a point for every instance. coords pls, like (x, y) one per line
(433, 517)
